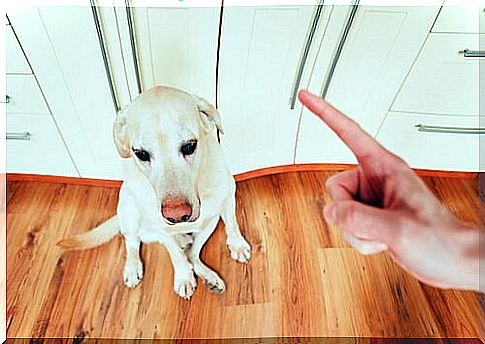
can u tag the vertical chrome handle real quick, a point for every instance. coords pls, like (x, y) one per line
(304, 57)
(25, 136)
(452, 130)
(340, 47)
(472, 53)
(133, 45)
(104, 54)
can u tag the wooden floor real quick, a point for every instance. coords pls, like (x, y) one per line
(303, 280)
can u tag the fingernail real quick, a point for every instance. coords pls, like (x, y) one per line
(330, 213)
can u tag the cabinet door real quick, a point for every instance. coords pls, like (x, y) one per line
(63, 49)
(177, 46)
(42, 152)
(259, 56)
(443, 80)
(378, 53)
(439, 145)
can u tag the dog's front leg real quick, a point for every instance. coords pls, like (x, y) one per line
(210, 277)
(238, 246)
(129, 220)
(133, 272)
(184, 281)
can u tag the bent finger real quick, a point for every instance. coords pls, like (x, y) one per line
(363, 221)
(343, 186)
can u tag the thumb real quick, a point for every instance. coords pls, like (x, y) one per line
(361, 220)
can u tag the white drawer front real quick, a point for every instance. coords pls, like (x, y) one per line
(16, 62)
(24, 95)
(432, 150)
(459, 18)
(443, 80)
(44, 153)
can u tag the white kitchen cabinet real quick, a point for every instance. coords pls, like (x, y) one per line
(261, 51)
(33, 142)
(443, 143)
(443, 80)
(178, 49)
(379, 51)
(315, 142)
(63, 49)
(259, 56)
(441, 93)
(177, 46)
(35, 146)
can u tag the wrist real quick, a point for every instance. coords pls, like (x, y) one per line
(467, 240)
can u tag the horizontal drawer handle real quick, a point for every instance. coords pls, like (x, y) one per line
(25, 136)
(454, 130)
(472, 53)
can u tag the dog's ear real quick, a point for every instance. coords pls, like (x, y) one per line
(120, 135)
(210, 116)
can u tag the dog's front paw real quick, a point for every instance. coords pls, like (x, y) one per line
(133, 273)
(239, 248)
(214, 282)
(184, 284)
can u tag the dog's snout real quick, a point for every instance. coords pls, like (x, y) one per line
(176, 210)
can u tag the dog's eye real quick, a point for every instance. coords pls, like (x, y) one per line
(188, 148)
(142, 154)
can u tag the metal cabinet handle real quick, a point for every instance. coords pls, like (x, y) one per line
(472, 53)
(8, 99)
(25, 136)
(133, 45)
(453, 130)
(104, 54)
(304, 57)
(340, 47)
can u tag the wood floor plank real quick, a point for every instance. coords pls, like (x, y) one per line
(459, 195)
(30, 259)
(373, 299)
(455, 311)
(303, 279)
(11, 188)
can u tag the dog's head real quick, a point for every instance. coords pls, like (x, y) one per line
(166, 132)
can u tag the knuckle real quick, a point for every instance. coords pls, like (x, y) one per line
(398, 162)
(345, 213)
(330, 182)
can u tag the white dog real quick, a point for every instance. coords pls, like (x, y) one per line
(176, 186)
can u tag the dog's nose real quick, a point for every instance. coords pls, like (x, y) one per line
(176, 210)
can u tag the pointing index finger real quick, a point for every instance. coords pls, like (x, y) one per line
(359, 141)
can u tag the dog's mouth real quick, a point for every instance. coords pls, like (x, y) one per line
(173, 222)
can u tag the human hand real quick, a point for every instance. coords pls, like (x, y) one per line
(382, 205)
